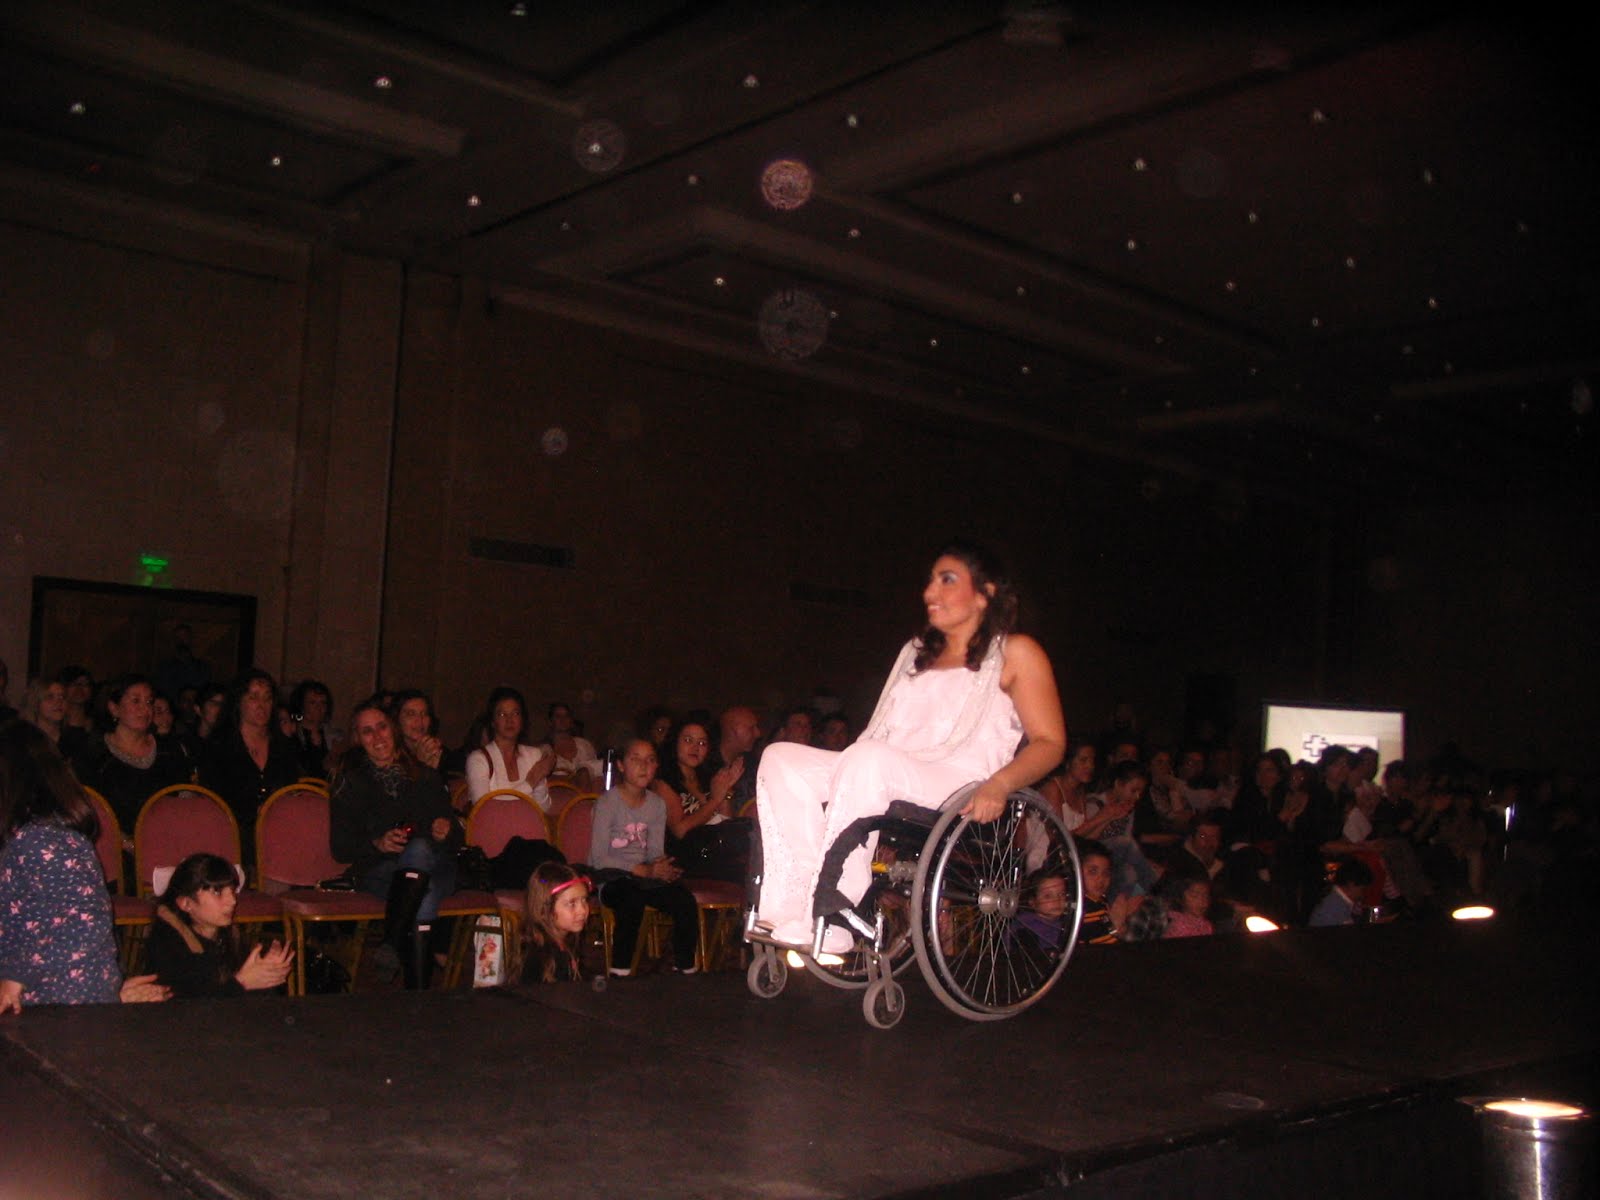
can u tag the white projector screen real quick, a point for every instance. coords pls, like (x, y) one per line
(1305, 729)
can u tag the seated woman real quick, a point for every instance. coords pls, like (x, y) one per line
(506, 759)
(129, 763)
(56, 940)
(575, 759)
(390, 818)
(966, 701)
(418, 725)
(45, 704)
(702, 836)
(193, 947)
(627, 845)
(558, 911)
(311, 710)
(248, 758)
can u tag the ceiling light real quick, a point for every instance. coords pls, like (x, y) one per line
(750, 81)
(383, 83)
(78, 108)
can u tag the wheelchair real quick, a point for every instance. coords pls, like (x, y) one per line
(989, 913)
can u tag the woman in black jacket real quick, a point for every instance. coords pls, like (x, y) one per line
(391, 818)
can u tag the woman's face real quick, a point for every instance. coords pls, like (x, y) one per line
(316, 707)
(1082, 766)
(507, 720)
(80, 690)
(639, 764)
(1160, 764)
(376, 736)
(132, 712)
(415, 719)
(1299, 778)
(1050, 900)
(211, 711)
(256, 705)
(53, 703)
(1196, 899)
(1268, 775)
(952, 601)
(569, 911)
(693, 746)
(1096, 877)
(161, 715)
(560, 720)
(211, 908)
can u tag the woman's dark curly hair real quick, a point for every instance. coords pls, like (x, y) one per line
(999, 618)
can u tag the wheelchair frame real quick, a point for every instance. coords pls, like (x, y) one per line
(957, 910)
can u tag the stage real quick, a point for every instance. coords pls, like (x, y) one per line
(1308, 1063)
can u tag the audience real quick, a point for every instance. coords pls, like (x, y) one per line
(627, 850)
(1167, 850)
(193, 947)
(506, 759)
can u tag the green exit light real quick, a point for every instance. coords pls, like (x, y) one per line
(152, 563)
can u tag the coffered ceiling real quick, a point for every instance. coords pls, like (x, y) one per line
(1316, 250)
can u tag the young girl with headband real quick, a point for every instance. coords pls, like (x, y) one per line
(558, 910)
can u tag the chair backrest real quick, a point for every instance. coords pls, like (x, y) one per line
(572, 832)
(179, 821)
(501, 815)
(458, 794)
(562, 793)
(292, 838)
(108, 846)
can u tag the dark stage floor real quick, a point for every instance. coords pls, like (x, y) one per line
(1312, 1063)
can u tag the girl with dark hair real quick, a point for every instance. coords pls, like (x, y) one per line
(56, 942)
(702, 834)
(390, 818)
(129, 763)
(248, 758)
(193, 946)
(80, 697)
(558, 911)
(506, 759)
(968, 700)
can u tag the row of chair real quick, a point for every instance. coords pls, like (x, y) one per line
(292, 857)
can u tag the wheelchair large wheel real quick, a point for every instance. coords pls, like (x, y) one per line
(995, 908)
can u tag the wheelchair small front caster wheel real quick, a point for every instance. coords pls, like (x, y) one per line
(767, 973)
(884, 1003)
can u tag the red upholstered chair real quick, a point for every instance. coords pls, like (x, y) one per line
(292, 853)
(187, 819)
(572, 836)
(495, 819)
(562, 793)
(130, 915)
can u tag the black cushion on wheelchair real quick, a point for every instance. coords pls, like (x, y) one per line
(905, 810)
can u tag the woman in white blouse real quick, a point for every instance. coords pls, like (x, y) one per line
(505, 760)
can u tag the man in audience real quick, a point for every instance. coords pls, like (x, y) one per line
(1344, 902)
(738, 731)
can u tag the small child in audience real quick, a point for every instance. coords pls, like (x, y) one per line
(1044, 906)
(1101, 924)
(558, 911)
(193, 947)
(1187, 916)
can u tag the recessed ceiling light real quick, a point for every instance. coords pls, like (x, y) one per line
(854, 232)
(474, 201)
(1230, 286)
(692, 180)
(519, 9)
(78, 108)
(1026, 369)
(1433, 302)
(751, 81)
(720, 281)
(383, 83)
(1350, 261)
(1021, 291)
(1253, 217)
(1139, 164)
(852, 120)
(1318, 117)
(1016, 197)
(1133, 243)
(934, 343)
(277, 160)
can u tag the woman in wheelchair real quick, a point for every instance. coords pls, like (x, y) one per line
(968, 699)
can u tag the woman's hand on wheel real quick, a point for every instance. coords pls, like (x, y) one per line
(987, 803)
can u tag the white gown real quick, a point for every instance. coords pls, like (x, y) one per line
(932, 734)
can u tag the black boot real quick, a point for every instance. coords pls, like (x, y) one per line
(406, 893)
(417, 959)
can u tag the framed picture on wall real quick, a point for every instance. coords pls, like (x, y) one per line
(176, 637)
